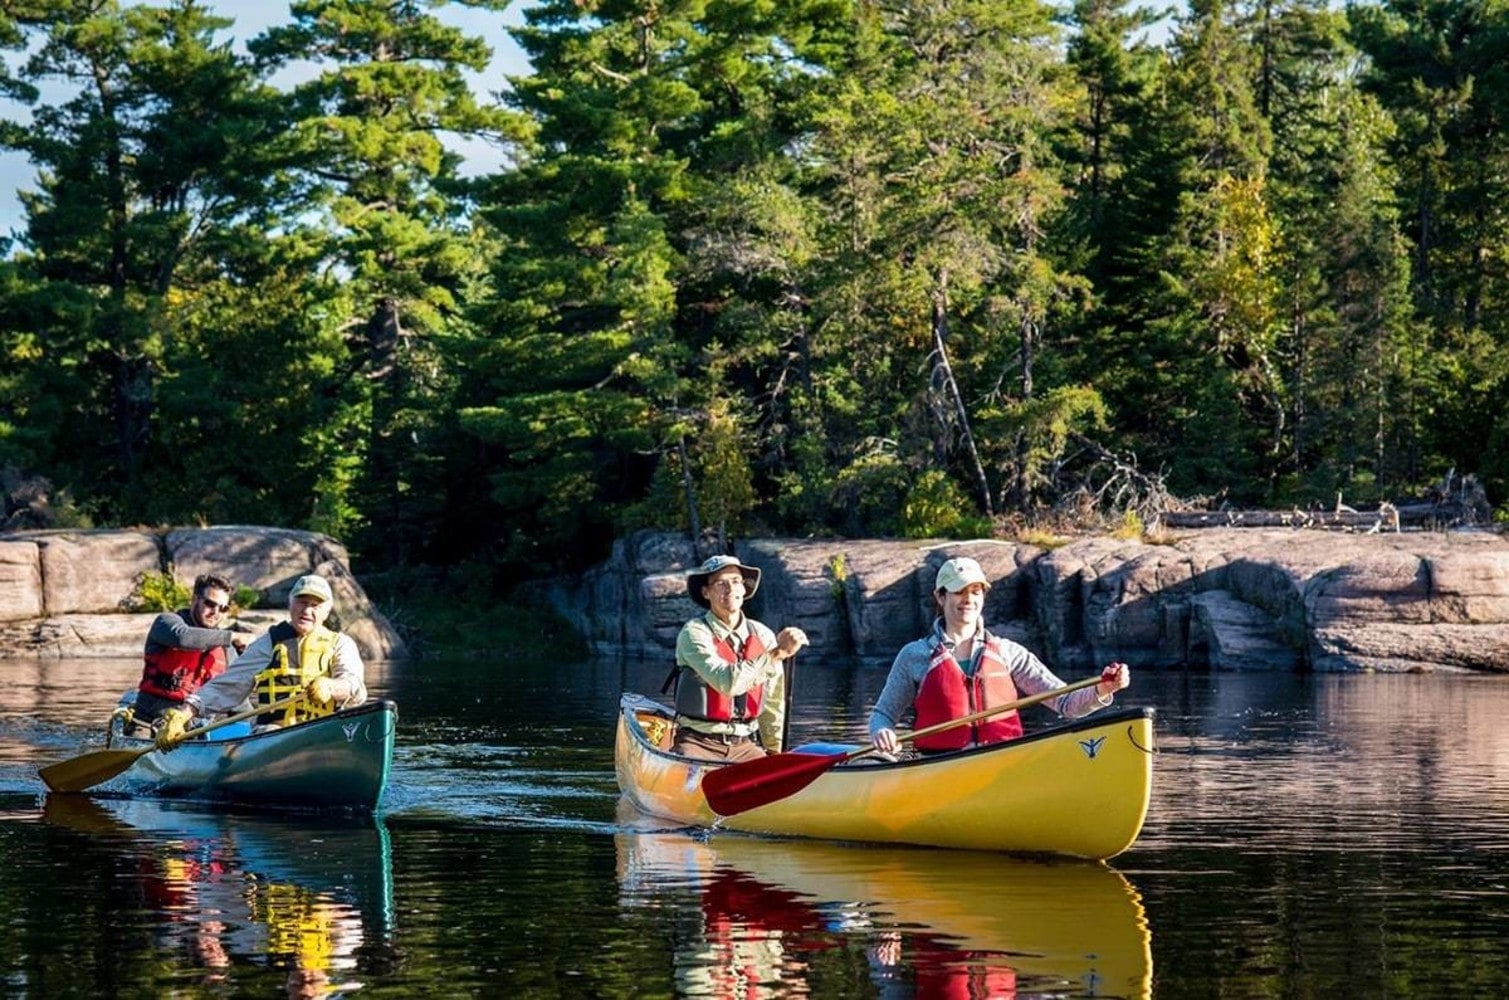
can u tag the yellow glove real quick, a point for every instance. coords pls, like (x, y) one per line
(321, 690)
(172, 728)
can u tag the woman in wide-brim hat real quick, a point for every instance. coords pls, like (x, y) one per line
(730, 686)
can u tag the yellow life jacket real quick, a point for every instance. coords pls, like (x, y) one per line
(299, 924)
(295, 662)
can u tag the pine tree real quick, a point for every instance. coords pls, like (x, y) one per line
(367, 140)
(650, 278)
(130, 207)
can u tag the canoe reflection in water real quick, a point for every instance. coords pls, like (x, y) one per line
(931, 922)
(227, 891)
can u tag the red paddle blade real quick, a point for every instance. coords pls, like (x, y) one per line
(740, 787)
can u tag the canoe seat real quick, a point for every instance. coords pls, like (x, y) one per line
(825, 748)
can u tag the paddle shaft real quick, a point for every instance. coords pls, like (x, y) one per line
(983, 713)
(790, 669)
(250, 713)
(86, 770)
(750, 784)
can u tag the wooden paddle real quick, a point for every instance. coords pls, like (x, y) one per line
(740, 787)
(90, 769)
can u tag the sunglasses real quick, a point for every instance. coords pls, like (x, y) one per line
(212, 606)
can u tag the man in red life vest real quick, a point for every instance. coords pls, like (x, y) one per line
(960, 668)
(184, 649)
(730, 686)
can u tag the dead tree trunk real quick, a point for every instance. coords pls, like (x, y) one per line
(944, 372)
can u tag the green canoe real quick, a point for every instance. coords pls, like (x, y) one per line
(340, 762)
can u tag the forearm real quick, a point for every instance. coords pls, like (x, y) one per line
(898, 695)
(171, 631)
(348, 674)
(226, 692)
(1031, 677)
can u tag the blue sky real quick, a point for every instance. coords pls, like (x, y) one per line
(252, 17)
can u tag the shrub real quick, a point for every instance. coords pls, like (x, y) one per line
(157, 592)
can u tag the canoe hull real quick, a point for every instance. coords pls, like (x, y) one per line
(339, 762)
(1080, 790)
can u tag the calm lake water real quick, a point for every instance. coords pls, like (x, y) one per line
(1308, 836)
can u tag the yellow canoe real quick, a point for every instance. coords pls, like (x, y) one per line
(1079, 790)
(1059, 925)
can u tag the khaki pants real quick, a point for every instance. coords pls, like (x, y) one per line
(702, 746)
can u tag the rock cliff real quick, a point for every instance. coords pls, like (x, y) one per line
(64, 593)
(1241, 599)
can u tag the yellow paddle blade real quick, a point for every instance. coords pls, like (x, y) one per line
(87, 770)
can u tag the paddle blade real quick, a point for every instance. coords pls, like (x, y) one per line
(740, 787)
(88, 770)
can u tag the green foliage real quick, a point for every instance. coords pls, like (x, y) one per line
(1131, 527)
(157, 592)
(469, 610)
(838, 575)
(936, 508)
(867, 496)
(802, 268)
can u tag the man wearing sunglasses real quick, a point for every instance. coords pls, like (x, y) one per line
(186, 648)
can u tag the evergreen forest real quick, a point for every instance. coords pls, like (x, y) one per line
(899, 268)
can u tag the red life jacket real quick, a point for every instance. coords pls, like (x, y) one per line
(695, 700)
(174, 674)
(945, 694)
(948, 974)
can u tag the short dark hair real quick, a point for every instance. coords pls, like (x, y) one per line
(209, 581)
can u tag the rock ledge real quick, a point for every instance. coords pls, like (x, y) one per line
(63, 593)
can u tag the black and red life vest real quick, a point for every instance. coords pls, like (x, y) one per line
(696, 700)
(174, 673)
(946, 694)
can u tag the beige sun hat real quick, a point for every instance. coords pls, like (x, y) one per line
(697, 578)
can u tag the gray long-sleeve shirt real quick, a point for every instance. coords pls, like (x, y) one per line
(1027, 673)
(171, 630)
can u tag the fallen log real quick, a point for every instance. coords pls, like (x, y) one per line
(1387, 517)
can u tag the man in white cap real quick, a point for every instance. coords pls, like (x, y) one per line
(960, 668)
(300, 654)
(730, 685)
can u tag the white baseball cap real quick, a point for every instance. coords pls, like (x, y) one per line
(311, 586)
(958, 573)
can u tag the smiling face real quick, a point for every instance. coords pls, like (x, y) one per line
(962, 609)
(306, 612)
(209, 606)
(724, 593)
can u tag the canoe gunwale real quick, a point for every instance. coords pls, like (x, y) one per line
(365, 708)
(630, 704)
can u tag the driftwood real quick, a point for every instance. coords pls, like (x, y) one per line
(1388, 517)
